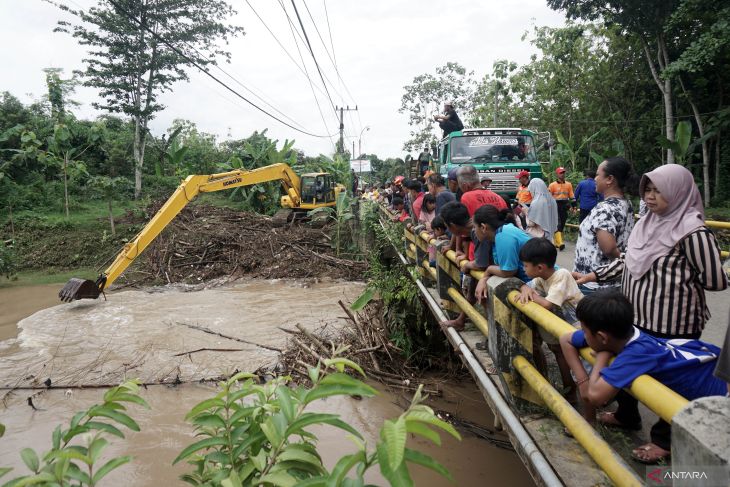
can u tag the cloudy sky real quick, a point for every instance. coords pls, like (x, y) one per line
(379, 47)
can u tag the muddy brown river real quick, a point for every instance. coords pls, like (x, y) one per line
(137, 334)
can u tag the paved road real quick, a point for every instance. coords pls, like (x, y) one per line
(718, 302)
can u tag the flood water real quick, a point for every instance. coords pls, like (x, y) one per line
(138, 334)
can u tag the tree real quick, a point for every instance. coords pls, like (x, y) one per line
(427, 93)
(645, 19)
(494, 87)
(139, 48)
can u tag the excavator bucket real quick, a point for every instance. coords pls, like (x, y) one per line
(77, 288)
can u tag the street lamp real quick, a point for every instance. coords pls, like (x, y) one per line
(359, 141)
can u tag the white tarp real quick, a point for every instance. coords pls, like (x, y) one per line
(360, 165)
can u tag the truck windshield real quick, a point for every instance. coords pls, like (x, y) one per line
(489, 148)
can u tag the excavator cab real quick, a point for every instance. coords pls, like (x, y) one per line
(318, 188)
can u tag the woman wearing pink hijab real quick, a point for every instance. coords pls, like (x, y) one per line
(671, 259)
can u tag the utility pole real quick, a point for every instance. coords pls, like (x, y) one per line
(341, 145)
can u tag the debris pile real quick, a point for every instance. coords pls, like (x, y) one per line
(364, 341)
(207, 242)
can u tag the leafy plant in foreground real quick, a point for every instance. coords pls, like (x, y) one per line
(258, 434)
(76, 464)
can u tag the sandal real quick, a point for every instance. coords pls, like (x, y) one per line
(608, 418)
(650, 454)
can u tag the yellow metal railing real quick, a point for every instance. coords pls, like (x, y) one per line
(663, 401)
(655, 395)
(601, 452)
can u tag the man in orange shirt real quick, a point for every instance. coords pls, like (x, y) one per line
(562, 192)
(523, 195)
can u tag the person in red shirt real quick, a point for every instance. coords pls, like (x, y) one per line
(474, 196)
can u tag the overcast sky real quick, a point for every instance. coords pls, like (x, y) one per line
(379, 46)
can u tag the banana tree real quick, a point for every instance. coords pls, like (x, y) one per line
(683, 146)
(571, 149)
(340, 215)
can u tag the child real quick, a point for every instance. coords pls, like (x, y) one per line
(399, 209)
(684, 366)
(438, 229)
(475, 255)
(553, 289)
(428, 211)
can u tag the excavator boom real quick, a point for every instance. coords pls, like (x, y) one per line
(193, 185)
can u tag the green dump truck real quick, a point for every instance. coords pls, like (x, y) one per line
(500, 153)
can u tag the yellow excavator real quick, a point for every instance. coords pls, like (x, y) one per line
(308, 192)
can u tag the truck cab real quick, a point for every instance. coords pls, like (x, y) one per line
(500, 153)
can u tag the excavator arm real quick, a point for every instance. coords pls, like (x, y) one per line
(191, 187)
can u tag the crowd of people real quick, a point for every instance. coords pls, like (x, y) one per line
(636, 293)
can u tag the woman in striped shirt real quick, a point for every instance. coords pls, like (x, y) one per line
(670, 260)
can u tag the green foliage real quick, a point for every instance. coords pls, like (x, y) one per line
(425, 96)
(571, 150)
(260, 434)
(75, 454)
(8, 261)
(341, 215)
(683, 146)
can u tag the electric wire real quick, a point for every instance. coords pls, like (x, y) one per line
(203, 69)
(311, 51)
(306, 72)
(324, 44)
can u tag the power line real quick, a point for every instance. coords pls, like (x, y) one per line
(206, 71)
(306, 72)
(311, 51)
(324, 44)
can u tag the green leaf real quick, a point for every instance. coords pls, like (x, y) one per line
(423, 430)
(209, 420)
(77, 419)
(133, 398)
(290, 454)
(239, 376)
(395, 435)
(344, 465)
(313, 373)
(397, 478)
(233, 480)
(30, 458)
(68, 454)
(117, 416)
(4, 470)
(271, 431)
(419, 458)
(280, 479)
(95, 448)
(328, 390)
(285, 401)
(429, 418)
(204, 406)
(307, 419)
(106, 427)
(245, 444)
(683, 136)
(259, 460)
(199, 445)
(341, 362)
(109, 466)
(363, 299)
(74, 472)
(57, 437)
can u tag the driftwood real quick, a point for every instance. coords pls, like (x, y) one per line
(211, 332)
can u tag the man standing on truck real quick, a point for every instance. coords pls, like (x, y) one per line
(449, 121)
(562, 191)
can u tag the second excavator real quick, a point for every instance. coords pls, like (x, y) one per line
(301, 194)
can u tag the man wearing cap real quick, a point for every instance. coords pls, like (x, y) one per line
(523, 195)
(449, 121)
(486, 181)
(562, 192)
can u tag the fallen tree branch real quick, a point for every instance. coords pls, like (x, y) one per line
(211, 332)
(209, 350)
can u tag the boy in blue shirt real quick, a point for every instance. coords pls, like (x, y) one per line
(684, 366)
